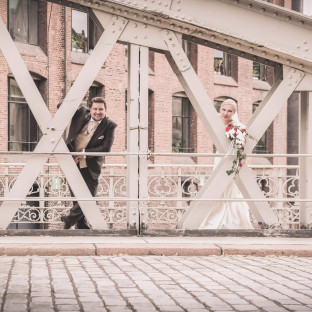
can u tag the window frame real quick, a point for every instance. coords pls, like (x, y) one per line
(226, 59)
(30, 145)
(261, 148)
(29, 20)
(183, 148)
(96, 30)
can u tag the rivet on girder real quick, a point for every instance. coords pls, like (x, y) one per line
(262, 9)
(187, 30)
(178, 1)
(230, 50)
(159, 22)
(250, 6)
(276, 57)
(298, 46)
(288, 18)
(251, 49)
(305, 42)
(145, 18)
(200, 33)
(301, 22)
(135, 15)
(301, 66)
(152, 20)
(238, 44)
(212, 36)
(172, 25)
(218, 46)
(275, 14)
(288, 62)
(254, 58)
(144, 26)
(242, 53)
(225, 41)
(135, 25)
(266, 62)
(263, 53)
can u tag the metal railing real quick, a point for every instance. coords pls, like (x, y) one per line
(171, 188)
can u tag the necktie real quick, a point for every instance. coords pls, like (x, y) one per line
(91, 126)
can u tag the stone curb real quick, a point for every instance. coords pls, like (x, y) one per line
(267, 250)
(145, 249)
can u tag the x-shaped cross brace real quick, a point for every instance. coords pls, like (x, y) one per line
(53, 128)
(257, 125)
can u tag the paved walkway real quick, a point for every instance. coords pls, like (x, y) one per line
(139, 246)
(155, 283)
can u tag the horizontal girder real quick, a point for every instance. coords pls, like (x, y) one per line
(254, 29)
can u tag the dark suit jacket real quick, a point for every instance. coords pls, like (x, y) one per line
(101, 141)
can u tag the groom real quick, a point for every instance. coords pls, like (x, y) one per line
(90, 131)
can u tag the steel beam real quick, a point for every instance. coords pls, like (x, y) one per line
(143, 135)
(305, 163)
(244, 25)
(133, 124)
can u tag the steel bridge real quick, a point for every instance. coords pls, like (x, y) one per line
(240, 27)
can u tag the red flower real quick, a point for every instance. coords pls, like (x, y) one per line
(235, 134)
(242, 148)
(240, 164)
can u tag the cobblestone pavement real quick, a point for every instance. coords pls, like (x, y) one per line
(151, 283)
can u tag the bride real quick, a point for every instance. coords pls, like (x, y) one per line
(225, 214)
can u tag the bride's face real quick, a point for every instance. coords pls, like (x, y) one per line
(227, 111)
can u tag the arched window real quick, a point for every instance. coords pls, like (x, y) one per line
(181, 123)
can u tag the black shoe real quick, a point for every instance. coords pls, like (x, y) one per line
(67, 225)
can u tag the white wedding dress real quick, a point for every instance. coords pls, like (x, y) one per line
(225, 214)
(228, 215)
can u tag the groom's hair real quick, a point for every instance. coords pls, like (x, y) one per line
(98, 99)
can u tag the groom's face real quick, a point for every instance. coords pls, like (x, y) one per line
(97, 111)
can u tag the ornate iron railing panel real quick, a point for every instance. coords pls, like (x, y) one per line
(170, 189)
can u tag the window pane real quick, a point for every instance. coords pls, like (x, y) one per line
(261, 146)
(16, 94)
(18, 20)
(256, 70)
(23, 128)
(94, 34)
(186, 134)
(185, 107)
(176, 106)
(79, 31)
(33, 22)
(18, 128)
(176, 134)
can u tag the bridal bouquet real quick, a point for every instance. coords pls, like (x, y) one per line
(236, 133)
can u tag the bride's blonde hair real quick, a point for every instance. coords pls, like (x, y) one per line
(229, 102)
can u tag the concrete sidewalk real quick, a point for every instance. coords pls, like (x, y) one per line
(140, 246)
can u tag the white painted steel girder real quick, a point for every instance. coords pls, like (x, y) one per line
(266, 31)
(53, 128)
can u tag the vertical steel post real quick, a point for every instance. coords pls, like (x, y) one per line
(143, 135)
(305, 163)
(133, 135)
